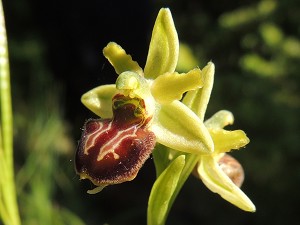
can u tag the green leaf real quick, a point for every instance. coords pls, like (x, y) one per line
(121, 61)
(164, 46)
(177, 127)
(99, 100)
(162, 191)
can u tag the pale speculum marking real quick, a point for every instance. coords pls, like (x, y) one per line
(111, 145)
(91, 138)
(115, 142)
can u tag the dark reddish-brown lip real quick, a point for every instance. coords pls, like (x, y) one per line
(112, 151)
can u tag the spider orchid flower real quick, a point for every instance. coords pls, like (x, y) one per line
(220, 172)
(142, 108)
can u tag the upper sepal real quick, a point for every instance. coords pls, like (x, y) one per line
(164, 46)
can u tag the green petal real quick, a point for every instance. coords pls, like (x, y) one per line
(226, 140)
(164, 46)
(217, 181)
(99, 100)
(197, 100)
(118, 58)
(220, 119)
(162, 191)
(177, 127)
(171, 86)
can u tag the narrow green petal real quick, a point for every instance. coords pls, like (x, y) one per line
(171, 86)
(177, 127)
(220, 119)
(164, 46)
(162, 191)
(197, 100)
(99, 100)
(217, 181)
(121, 61)
(226, 140)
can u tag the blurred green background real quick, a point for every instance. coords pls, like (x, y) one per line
(56, 55)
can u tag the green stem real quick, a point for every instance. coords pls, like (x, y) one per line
(162, 162)
(8, 200)
(190, 163)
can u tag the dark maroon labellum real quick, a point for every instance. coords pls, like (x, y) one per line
(112, 151)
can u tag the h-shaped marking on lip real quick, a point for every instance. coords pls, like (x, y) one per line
(112, 144)
(91, 139)
(115, 142)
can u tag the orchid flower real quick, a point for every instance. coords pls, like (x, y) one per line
(215, 169)
(141, 109)
(220, 172)
(145, 109)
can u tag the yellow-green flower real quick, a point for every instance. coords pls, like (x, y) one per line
(173, 123)
(141, 109)
(208, 168)
(149, 99)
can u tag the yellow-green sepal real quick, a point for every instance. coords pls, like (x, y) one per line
(164, 46)
(177, 127)
(99, 100)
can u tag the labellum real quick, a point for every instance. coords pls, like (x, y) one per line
(112, 151)
(232, 168)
